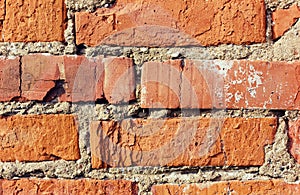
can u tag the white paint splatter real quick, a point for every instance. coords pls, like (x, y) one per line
(254, 80)
(238, 96)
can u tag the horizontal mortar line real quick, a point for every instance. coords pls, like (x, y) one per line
(24, 44)
(130, 170)
(189, 113)
(104, 176)
(158, 55)
(158, 169)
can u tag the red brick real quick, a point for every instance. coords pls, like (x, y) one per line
(39, 73)
(1, 29)
(198, 86)
(38, 138)
(168, 23)
(294, 135)
(9, 78)
(244, 140)
(267, 187)
(63, 186)
(119, 80)
(83, 78)
(230, 84)
(283, 19)
(160, 84)
(30, 21)
(273, 85)
(2, 9)
(181, 142)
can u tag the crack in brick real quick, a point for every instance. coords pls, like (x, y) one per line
(182, 64)
(223, 149)
(19, 97)
(21, 72)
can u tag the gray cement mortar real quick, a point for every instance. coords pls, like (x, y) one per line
(280, 4)
(88, 5)
(14, 108)
(91, 5)
(125, 111)
(278, 162)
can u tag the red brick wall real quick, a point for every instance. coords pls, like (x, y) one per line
(149, 97)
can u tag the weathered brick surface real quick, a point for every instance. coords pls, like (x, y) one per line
(77, 78)
(225, 84)
(160, 81)
(1, 28)
(9, 78)
(38, 138)
(181, 142)
(166, 23)
(199, 86)
(267, 187)
(269, 85)
(283, 20)
(39, 73)
(2, 9)
(29, 21)
(83, 78)
(294, 135)
(55, 186)
(119, 80)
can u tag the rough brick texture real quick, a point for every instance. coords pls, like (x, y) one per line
(77, 78)
(119, 82)
(283, 20)
(266, 187)
(181, 142)
(55, 186)
(9, 78)
(28, 21)
(2, 9)
(160, 81)
(83, 79)
(221, 84)
(39, 74)
(294, 135)
(38, 138)
(166, 23)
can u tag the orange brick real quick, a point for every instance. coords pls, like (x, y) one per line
(181, 142)
(169, 23)
(119, 80)
(80, 78)
(199, 86)
(294, 134)
(39, 73)
(161, 84)
(1, 29)
(30, 21)
(9, 78)
(83, 78)
(63, 186)
(267, 187)
(2, 9)
(226, 84)
(38, 138)
(283, 20)
(268, 85)
(244, 140)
